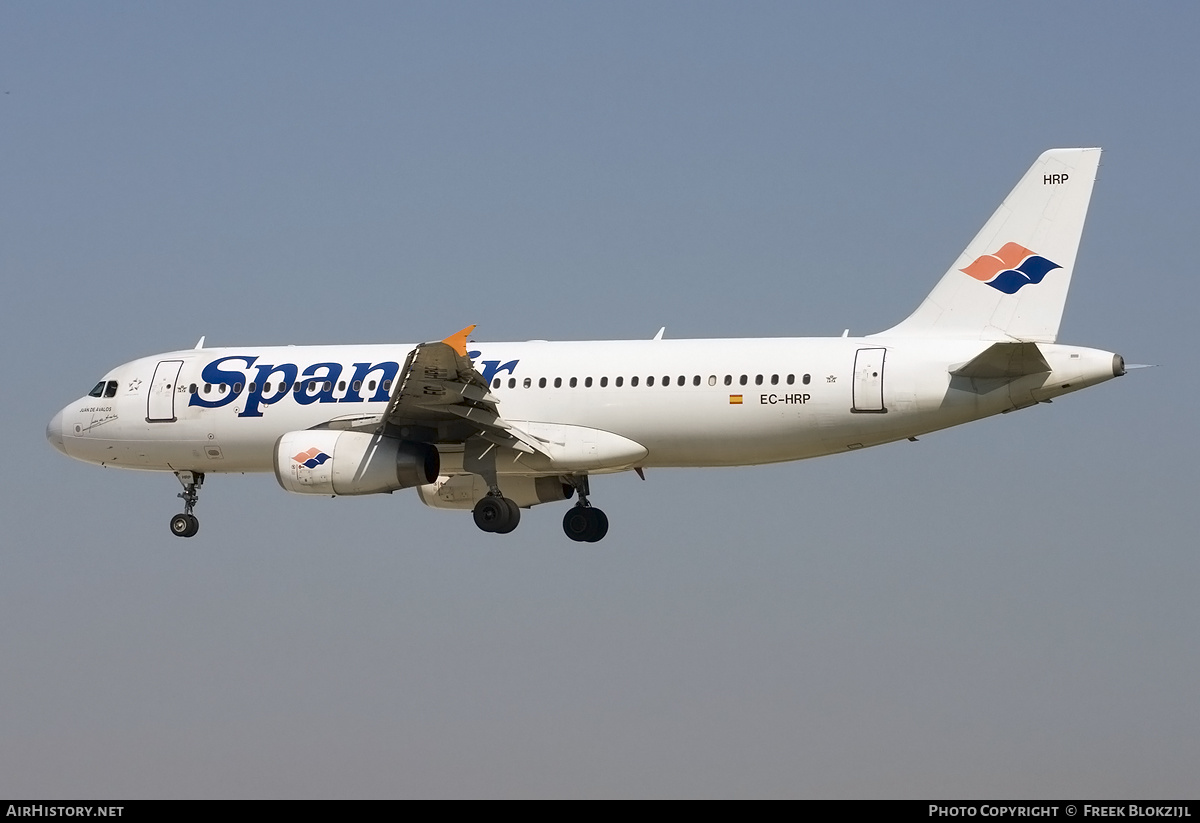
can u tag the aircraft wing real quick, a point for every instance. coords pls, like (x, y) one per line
(439, 384)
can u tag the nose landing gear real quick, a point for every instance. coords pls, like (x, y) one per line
(187, 524)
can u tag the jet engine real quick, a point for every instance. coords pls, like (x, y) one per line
(465, 490)
(324, 461)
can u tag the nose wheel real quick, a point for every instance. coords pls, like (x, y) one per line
(187, 524)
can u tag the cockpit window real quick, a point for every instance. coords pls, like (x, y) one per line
(98, 391)
(110, 390)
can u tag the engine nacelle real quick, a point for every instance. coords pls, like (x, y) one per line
(463, 491)
(325, 461)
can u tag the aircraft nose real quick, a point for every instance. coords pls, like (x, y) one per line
(54, 432)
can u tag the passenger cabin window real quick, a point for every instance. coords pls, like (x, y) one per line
(774, 380)
(603, 382)
(806, 379)
(558, 382)
(633, 381)
(650, 380)
(729, 380)
(574, 382)
(512, 382)
(541, 383)
(620, 381)
(791, 379)
(587, 382)
(742, 380)
(496, 383)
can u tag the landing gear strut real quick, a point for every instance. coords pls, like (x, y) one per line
(584, 523)
(186, 524)
(497, 514)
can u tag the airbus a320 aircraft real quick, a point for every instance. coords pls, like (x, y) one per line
(499, 427)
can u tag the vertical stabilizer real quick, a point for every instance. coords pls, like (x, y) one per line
(1011, 282)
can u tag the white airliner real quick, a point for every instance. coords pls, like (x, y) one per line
(497, 427)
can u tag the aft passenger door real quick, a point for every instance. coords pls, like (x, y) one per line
(868, 381)
(160, 401)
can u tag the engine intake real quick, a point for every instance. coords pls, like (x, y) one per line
(323, 461)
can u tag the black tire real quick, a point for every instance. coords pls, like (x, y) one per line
(184, 525)
(599, 526)
(514, 517)
(492, 514)
(577, 523)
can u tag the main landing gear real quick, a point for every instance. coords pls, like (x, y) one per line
(583, 522)
(186, 524)
(497, 514)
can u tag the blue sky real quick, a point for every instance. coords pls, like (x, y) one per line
(1004, 610)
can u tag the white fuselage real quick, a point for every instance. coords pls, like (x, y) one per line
(695, 402)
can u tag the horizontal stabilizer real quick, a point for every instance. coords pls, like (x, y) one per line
(1004, 361)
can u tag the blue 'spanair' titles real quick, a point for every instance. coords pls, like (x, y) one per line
(267, 384)
(492, 367)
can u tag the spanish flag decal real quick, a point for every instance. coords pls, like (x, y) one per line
(735, 400)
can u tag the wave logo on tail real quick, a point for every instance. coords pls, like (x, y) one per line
(312, 458)
(1010, 268)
